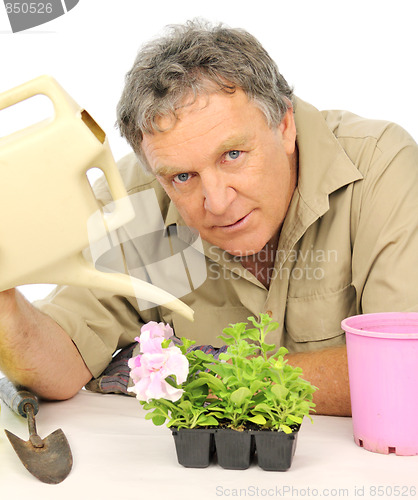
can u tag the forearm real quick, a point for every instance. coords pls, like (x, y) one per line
(36, 352)
(328, 370)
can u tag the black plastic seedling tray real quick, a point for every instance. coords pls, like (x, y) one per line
(274, 450)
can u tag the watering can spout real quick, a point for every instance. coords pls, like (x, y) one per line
(45, 189)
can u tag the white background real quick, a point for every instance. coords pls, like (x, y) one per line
(358, 55)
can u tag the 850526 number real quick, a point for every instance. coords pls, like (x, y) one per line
(29, 8)
(392, 491)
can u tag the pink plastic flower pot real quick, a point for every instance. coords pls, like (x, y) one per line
(382, 350)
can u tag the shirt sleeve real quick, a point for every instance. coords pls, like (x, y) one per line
(385, 238)
(98, 322)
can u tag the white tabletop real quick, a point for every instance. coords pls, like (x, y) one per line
(117, 453)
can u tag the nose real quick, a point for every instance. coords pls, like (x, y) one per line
(218, 194)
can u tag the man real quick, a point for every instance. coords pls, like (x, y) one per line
(309, 216)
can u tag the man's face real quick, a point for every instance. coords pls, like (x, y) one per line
(229, 174)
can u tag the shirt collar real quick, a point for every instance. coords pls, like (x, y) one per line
(324, 166)
(173, 216)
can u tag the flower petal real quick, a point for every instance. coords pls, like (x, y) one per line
(134, 362)
(178, 365)
(149, 343)
(171, 393)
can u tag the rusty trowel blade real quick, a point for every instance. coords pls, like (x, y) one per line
(50, 464)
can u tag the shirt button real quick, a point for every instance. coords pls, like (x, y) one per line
(269, 313)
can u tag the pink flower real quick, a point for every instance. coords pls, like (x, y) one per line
(152, 336)
(150, 369)
(157, 329)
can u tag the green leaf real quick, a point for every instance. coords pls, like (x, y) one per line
(187, 343)
(158, 419)
(279, 391)
(262, 407)
(186, 406)
(206, 420)
(194, 384)
(282, 351)
(235, 331)
(272, 326)
(256, 385)
(226, 340)
(252, 334)
(218, 413)
(257, 419)
(223, 370)
(285, 428)
(203, 356)
(165, 343)
(268, 347)
(224, 356)
(213, 382)
(239, 396)
(294, 419)
(254, 321)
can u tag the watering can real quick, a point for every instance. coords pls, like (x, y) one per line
(49, 213)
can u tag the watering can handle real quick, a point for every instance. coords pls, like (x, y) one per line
(123, 211)
(45, 85)
(64, 105)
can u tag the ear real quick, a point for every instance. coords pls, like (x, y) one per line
(287, 129)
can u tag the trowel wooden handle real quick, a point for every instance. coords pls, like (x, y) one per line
(16, 397)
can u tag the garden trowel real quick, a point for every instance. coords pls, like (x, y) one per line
(49, 459)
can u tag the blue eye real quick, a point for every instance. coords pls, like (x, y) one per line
(183, 177)
(234, 154)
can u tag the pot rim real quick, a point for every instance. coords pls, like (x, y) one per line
(365, 325)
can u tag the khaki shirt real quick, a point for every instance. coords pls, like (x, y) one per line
(349, 245)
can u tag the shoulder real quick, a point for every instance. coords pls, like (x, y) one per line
(366, 140)
(361, 139)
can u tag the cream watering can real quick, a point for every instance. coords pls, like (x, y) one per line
(48, 212)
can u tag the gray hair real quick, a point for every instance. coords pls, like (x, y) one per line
(193, 59)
